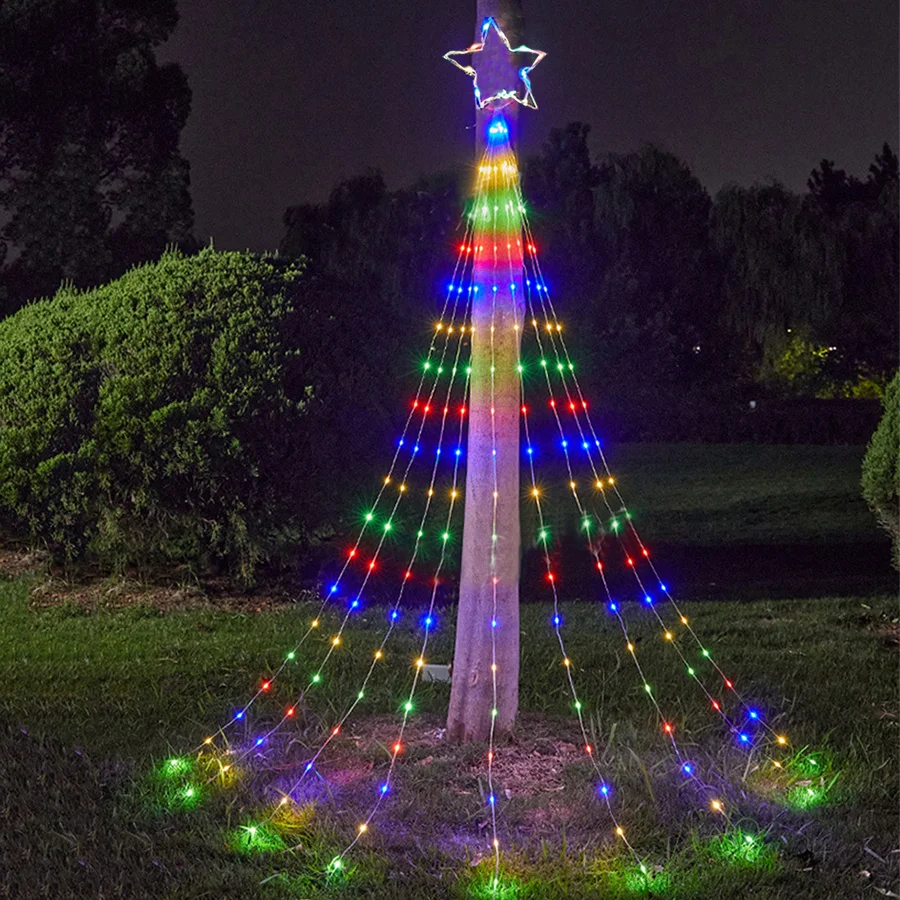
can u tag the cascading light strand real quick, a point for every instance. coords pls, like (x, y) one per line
(605, 789)
(557, 618)
(666, 723)
(743, 736)
(565, 365)
(396, 747)
(451, 301)
(753, 714)
(337, 638)
(492, 625)
(393, 616)
(428, 621)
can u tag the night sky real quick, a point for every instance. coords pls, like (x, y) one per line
(290, 95)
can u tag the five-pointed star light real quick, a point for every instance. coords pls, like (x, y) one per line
(504, 94)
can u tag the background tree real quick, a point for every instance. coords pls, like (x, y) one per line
(559, 185)
(648, 332)
(685, 307)
(91, 179)
(810, 281)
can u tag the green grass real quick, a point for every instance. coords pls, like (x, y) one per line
(705, 494)
(94, 705)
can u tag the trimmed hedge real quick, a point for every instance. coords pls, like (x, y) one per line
(156, 419)
(881, 468)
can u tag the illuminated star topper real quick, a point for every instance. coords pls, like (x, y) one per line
(501, 93)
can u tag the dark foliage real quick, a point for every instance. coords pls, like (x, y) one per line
(810, 282)
(91, 180)
(687, 308)
(184, 414)
(881, 468)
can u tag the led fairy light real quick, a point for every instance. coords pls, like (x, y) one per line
(397, 745)
(493, 624)
(337, 638)
(666, 723)
(753, 714)
(428, 620)
(557, 618)
(686, 767)
(743, 736)
(612, 605)
(393, 617)
(581, 408)
(452, 294)
(567, 662)
(481, 247)
(745, 740)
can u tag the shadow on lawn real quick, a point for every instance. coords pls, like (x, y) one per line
(780, 571)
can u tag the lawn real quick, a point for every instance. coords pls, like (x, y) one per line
(711, 495)
(94, 705)
(732, 494)
(743, 520)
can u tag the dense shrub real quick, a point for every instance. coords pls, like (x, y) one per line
(160, 418)
(881, 467)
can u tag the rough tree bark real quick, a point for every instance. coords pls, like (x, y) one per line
(472, 696)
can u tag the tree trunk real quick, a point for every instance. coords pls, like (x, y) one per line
(472, 697)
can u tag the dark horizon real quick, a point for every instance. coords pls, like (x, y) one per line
(742, 94)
